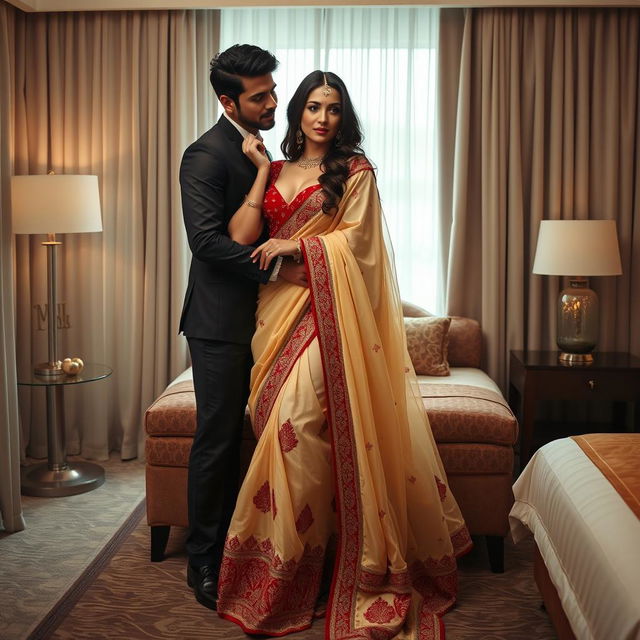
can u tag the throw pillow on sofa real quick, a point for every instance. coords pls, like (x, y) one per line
(428, 343)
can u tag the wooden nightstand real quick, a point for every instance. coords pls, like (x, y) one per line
(538, 375)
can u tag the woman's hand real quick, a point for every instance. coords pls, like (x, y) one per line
(255, 150)
(273, 248)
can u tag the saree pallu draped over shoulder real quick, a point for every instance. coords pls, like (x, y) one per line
(345, 510)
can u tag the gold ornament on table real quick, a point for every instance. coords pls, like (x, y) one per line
(72, 366)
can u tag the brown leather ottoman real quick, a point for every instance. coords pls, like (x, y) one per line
(170, 424)
(473, 426)
(475, 432)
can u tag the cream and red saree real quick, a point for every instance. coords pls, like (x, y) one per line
(345, 483)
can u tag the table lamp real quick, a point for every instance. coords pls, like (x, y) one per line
(50, 204)
(577, 248)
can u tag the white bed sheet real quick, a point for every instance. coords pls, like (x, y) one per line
(588, 537)
(187, 374)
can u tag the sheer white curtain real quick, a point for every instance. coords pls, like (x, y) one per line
(388, 60)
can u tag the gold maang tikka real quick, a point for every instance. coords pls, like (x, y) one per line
(326, 90)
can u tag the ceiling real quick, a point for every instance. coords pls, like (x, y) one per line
(119, 5)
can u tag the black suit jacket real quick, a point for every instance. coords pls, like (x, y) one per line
(220, 301)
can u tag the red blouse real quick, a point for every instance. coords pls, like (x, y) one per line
(275, 208)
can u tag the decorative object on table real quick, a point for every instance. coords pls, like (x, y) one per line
(50, 204)
(577, 248)
(72, 366)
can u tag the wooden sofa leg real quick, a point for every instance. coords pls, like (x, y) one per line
(159, 538)
(495, 547)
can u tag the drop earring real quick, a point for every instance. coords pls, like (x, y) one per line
(299, 137)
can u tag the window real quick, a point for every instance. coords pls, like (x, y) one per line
(387, 57)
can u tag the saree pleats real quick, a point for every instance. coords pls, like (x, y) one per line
(345, 456)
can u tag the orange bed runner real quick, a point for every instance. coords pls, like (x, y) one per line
(617, 455)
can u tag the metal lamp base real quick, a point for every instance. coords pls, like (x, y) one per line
(575, 359)
(73, 478)
(48, 369)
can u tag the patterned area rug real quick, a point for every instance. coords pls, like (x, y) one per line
(133, 598)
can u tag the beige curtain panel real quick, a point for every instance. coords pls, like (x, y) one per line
(118, 95)
(543, 124)
(10, 506)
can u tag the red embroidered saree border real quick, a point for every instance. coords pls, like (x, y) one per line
(301, 337)
(348, 508)
(616, 456)
(438, 578)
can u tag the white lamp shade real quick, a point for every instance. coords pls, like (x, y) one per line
(55, 204)
(577, 248)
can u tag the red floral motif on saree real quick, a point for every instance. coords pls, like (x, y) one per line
(273, 504)
(401, 604)
(263, 594)
(301, 337)
(287, 437)
(305, 520)
(262, 499)
(380, 612)
(436, 582)
(461, 541)
(442, 488)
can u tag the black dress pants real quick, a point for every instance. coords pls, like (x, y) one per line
(221, 383)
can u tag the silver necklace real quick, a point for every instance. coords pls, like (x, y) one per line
(309, 163)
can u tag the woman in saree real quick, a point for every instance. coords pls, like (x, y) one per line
(345, 487)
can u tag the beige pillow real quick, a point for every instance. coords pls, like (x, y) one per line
(428, 342)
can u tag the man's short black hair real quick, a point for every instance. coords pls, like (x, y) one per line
(228, 67)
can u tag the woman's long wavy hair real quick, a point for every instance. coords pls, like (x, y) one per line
(345, 145)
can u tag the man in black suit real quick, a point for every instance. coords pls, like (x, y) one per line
(218, 316)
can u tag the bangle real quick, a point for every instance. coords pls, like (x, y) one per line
(297, 256)
(251, 203)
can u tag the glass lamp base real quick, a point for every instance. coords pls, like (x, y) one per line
(577, 323)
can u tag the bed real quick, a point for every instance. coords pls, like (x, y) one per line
(586, 528)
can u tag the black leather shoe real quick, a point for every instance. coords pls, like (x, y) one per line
(204, 582)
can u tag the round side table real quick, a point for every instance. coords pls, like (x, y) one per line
(57, 477)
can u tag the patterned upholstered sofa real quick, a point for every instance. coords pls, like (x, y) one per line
(472, 424)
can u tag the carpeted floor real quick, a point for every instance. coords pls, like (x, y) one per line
(62, 538)
(133, 598)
